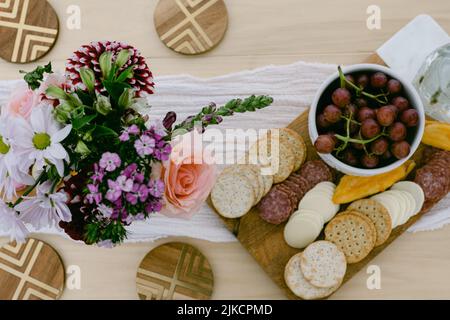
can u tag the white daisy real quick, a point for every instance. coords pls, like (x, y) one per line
(45, 209)
(11, 224)
(12, 165)
(41, 140)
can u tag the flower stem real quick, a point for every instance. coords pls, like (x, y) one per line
(29, 189)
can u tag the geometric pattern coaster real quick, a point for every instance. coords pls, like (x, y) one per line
(30, 271)
(191, 26)
(174, 271)
(28, 29)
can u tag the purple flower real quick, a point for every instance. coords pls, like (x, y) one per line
(110, 161)
(156, 188)
(153, 206)
(131, 198)
(132, 173)
(130, 170)
(125, 183)
(139, 217)
(105, 210)
(98, 175)
(114, 192)
(133, 130)
(94, 195)
(144, 145)
(163, 151)
(143, 193)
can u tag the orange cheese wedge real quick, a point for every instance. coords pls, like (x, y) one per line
(353, 188)
(437, 134)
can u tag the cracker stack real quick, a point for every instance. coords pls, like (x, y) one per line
(270, 160)
(316, 272)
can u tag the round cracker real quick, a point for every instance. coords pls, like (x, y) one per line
(298, 284)
(250, 172)
(232, 195)
(353, 234)
(323, 264)
(378, 214)
(278, 154)
(297, 145)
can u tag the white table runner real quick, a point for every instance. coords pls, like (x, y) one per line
(292, 87)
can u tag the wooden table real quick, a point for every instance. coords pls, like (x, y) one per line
(261, 32)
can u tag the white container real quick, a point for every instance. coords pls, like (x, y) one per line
(410, 93)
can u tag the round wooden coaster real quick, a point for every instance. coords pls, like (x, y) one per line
(191, 26)
(174, 271)
(28, 29)
(30, 271)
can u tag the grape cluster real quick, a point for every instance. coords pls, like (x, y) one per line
(366, 121)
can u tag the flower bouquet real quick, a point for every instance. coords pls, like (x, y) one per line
(79, 152)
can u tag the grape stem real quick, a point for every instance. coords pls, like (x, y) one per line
(344, 81)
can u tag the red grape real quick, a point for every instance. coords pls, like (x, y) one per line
(357, 146)
(378, 80)
(401, 103)
(350, 158)
(332, 113)
(354, 127)
(325, 143)
(397, 132)
(361, 102)
(369, 161)
(322, 122)
(350, 79)
(394, 86)
(379, 146)
(362, 80)
(385, 116)
(366, 113)
(400, 149)
(410, 117)
(387, 155)
(394, 108)
(350, 109)
(370, 128)
(341, 97)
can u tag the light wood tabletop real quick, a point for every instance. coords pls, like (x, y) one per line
(260, 32)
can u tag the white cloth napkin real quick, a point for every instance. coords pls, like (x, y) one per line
(292, 87)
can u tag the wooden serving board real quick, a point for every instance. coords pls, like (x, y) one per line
(265, 241)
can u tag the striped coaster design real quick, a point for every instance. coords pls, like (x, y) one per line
(28, 29)
(30, 271)
(174, 271)
(191, 26)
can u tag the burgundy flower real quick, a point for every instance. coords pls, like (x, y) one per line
(89, 55)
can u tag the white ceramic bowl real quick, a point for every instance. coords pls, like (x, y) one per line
(410, 93)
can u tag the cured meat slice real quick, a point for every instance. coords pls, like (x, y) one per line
(275, 207)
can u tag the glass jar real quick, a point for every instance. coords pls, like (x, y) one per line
(433, 84)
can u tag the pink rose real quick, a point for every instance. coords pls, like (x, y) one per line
(22, 101)
(189, 176)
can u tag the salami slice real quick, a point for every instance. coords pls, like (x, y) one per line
(295, 188)
(433, 181)
(290, 193)
(316, 171)
(275, 207)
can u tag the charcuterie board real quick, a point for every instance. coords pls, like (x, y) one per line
(265, 241)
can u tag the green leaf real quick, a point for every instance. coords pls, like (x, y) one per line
(85, 97)
(81, 122)
(105, 61)
(126, 74)
(88, 78)
(115, 89)
(34, 78)
(102, 131)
